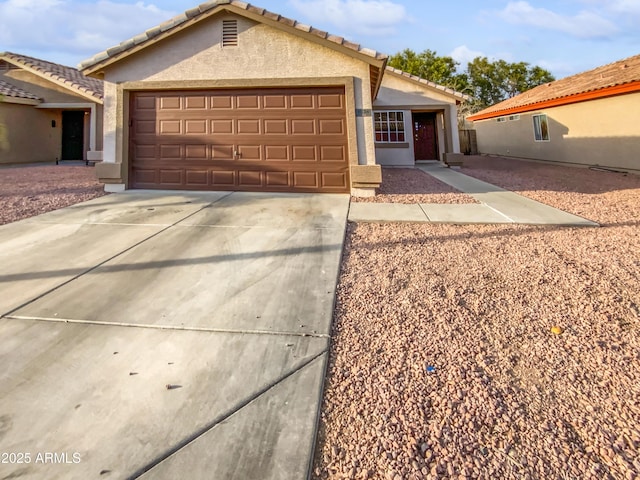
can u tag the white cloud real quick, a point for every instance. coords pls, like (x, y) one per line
(82, 29)
(584, 24)
(366, 17)
(464, 55)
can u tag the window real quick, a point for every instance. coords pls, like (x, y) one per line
(514, 117)
(540, 128)
(389, 127)
(501, 119)
(229, 33)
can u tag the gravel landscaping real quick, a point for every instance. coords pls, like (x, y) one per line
(445, 362)
(28, 191)
(410, 185)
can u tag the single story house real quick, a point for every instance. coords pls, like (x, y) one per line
(48, 112)
(592, 119)
(229, 96)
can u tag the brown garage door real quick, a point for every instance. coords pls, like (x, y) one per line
(279, 140)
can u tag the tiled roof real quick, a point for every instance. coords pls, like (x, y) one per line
(428, 83)
(67, 76)
(204, 9)
(599, 82)
(8, 90)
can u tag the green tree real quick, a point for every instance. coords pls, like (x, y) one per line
(430, 66)
(489, 82)
(493, 82)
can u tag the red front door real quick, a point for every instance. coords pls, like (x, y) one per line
(425, 137)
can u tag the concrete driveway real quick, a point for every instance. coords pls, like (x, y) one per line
(164, 335)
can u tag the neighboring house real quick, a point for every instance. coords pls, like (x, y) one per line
(228, 96)
(50, 112)
(592, 118)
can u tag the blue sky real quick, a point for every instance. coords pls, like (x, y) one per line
(564, 36)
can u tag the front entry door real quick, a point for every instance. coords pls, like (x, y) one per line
(72, 135)
(425, 137)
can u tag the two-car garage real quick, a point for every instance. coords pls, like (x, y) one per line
(267, 139)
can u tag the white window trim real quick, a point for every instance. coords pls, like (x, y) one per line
(546, 120)
(404, 127)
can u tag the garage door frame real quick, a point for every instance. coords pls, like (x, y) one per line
(125, 89)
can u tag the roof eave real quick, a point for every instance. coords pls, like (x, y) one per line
(18, 100)
(612, 91)
(459, 96)
(191, 17)
(51, 78)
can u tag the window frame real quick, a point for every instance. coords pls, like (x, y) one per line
(392, 131)
(541, 128)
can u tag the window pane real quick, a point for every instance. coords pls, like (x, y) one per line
(377, 116)
(401, 136)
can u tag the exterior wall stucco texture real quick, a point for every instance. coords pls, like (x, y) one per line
(601, 132)
(400, 94)
(23, 124)
(263, 52)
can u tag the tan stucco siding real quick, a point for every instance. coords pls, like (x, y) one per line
(397, 91)
(29, 135)
(401, 94)
(265, 56)
(601, 132)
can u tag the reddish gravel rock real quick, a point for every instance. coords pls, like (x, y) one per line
(577, 190)
(505, 397)
(410, 185)
(29, 191)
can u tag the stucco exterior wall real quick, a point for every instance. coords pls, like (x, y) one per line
(398, 93)
(602, 132)
(23, 124)
(264, 56)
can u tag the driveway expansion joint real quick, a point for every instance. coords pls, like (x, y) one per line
(113, 257)
(168, 327)
(224, 416)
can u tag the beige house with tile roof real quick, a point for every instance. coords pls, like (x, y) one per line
(592, 119)
(49, 112)
(229, 96)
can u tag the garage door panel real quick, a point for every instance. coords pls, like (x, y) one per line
(280, 139)
(331, 127)
(197, 178)
(248, 101)
(249, 127)
(170, 103)
(196, 152)
(221, 102)
(249, 153)
(223, 179)
(171, 177)
(222, 152)
(192, 127)
(195, 102)
(332, 153)
(171, 152)
(277, 127)
(304, 153)
(249, 178)
(170, 127)
(305, 179)
(221, 127)
(276, 153)
(277, 179)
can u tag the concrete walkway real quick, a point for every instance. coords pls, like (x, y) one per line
(165, 335)
(496, 206)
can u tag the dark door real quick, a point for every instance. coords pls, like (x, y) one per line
(425, 138)
(72, 135)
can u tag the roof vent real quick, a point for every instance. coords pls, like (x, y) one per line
(229, 33)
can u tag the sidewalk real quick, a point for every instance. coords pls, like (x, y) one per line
(496, 206)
